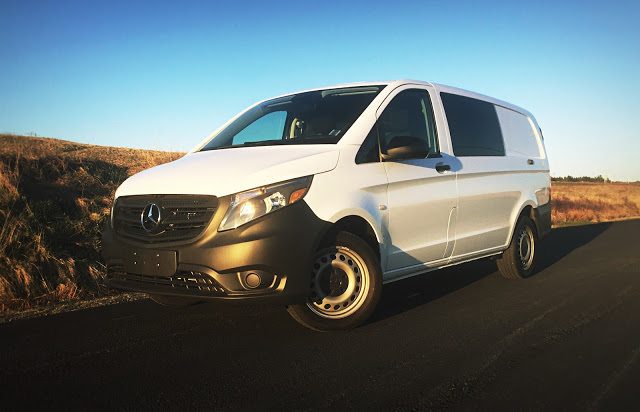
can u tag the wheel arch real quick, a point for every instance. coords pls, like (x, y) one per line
(528, 208)
(358, 225)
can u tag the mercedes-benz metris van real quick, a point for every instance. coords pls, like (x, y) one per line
(316, 199)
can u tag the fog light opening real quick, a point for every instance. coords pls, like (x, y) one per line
(252, 280)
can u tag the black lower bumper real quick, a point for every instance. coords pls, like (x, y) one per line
(268, 259)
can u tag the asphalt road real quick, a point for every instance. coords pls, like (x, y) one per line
(461, 338)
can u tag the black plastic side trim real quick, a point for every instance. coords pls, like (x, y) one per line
(543, 219)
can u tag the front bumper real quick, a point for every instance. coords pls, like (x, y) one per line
(266, 259)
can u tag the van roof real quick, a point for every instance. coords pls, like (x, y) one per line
(438, 87)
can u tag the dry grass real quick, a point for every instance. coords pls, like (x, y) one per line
(54, 198)
(594, 202)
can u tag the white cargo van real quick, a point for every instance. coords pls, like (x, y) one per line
(315, 199)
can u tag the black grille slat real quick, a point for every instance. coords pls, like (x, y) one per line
(181, 226)
(130, 220)
(197, 283)
(183, 217)
(187, 220)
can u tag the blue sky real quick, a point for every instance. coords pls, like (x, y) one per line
(164, 75)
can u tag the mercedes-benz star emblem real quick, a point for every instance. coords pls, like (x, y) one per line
(150, 218)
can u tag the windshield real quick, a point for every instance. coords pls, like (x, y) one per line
(321, 116)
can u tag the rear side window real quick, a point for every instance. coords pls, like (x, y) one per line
(519, 137)
(474, 126)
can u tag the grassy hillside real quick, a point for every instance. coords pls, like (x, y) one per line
(54, 198)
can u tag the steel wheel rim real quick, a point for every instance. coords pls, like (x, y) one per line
(339, 283)
(526, 247)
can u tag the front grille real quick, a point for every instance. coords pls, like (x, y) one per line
(189, 282)
(182, 217)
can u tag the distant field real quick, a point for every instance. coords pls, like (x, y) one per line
(574, 203)
(55, 196)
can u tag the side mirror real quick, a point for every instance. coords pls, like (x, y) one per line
(405, 147)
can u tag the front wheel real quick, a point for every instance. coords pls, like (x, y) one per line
(346, 284)
(518, 261)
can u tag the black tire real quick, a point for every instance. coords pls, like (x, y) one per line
(346, 285)
(519, 260)
(174, 301)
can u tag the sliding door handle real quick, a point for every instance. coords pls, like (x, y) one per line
(442, 167)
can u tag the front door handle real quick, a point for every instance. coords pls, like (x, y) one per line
(442, 167)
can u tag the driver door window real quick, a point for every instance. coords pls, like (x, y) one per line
(409, 116)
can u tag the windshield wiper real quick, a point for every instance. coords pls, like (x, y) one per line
(266, 143)
(307, 140)
(245, 144)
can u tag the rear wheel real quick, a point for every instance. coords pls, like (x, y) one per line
(167, 300)
(346, 283)
(518, 261)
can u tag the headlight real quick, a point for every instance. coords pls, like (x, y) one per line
(250, 205)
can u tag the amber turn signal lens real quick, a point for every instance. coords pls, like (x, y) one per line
(297, 195)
